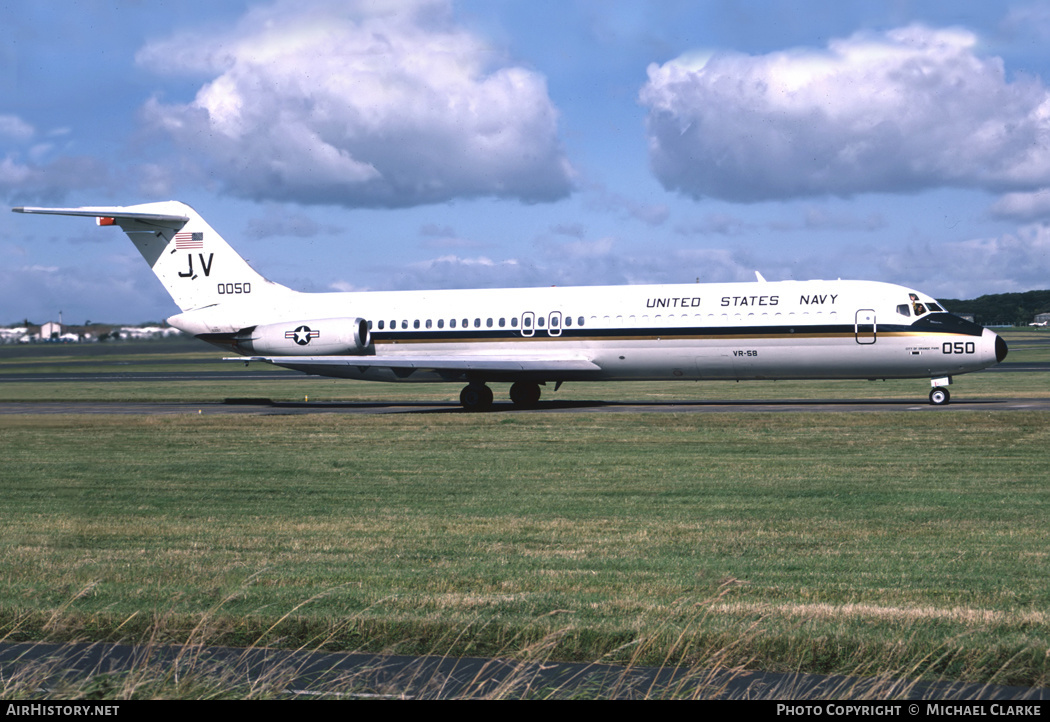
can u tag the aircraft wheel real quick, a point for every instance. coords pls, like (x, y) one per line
(939, 396)
(525, 395)
(476, 397)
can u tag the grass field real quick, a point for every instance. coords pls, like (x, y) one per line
(894, 543)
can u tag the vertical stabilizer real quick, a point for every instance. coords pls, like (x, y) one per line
(197, 267)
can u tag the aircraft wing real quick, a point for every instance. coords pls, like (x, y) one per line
(452, 365)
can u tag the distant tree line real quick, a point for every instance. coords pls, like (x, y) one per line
(1002, 309)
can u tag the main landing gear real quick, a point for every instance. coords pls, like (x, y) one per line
(525, 395)
(478, 396)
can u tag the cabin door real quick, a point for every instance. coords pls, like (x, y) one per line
(864, 326)
(554, 323)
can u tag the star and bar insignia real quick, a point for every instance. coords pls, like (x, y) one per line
(302, 335)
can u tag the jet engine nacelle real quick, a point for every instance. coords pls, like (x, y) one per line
(316, 337)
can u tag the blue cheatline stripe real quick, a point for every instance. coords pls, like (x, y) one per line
(642, 334)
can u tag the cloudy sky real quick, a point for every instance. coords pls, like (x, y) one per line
(380, 145)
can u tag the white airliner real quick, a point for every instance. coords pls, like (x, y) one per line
(529, 337)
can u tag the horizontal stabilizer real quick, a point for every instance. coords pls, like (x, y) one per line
(114, 212)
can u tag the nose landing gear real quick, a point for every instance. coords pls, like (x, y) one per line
(939, 396)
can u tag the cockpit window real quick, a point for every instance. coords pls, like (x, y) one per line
(916, 306)
(919, 308)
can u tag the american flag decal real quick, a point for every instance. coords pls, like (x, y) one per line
(189, 241)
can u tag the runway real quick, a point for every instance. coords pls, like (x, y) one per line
(265, 407)
(306, 674)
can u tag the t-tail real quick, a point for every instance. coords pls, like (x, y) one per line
(218, 292)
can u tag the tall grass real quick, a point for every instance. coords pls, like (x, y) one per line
(525, 669)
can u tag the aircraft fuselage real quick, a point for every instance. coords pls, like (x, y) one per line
(779, 330)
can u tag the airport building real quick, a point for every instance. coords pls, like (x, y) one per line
(50, 331)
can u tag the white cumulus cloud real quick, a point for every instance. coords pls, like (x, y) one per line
(13, 127)
(361, 104)
(1023, 206)
(909, 109)
(31, 172)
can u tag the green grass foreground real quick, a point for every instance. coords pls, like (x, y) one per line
(894, 542)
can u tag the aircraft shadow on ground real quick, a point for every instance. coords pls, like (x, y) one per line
(451, 407)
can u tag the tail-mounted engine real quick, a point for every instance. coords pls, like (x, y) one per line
(317, 337)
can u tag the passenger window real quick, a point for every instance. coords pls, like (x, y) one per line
(568, 320)
(452, 323)
(441, 323)
(428, 323)
(539, 321)
(380, 325)
(527, 322)
(579, 321)
(488, 323)
(415, 324)
(477, 323)
(404, 324)
(514, 322)
(502, 322)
